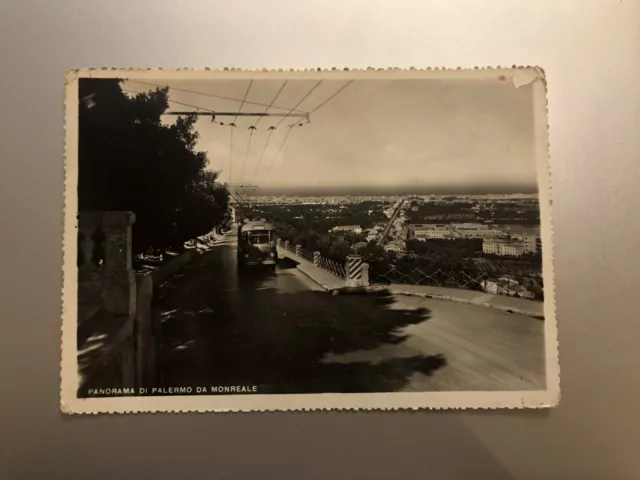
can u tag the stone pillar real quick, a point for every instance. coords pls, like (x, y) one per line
(286, 245)
(105, 277)
(120, 282)
(316, 259)
(354, 270)
(365, 274)
(298, 249)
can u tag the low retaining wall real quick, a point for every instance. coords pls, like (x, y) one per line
(148, 327)
(146, 333)
(122, 351)
(163, 272)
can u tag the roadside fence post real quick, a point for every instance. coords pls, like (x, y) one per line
(365, 274)
(354, 270)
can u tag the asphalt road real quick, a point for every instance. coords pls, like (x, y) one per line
(284, 334)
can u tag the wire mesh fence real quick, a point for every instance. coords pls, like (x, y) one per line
(523, 286)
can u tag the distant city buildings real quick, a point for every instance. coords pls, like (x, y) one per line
(452, 231)
(395, 246)
(452, 216)
(372, 235)
(530, 241)
(476, 230)
(428, 231)
(503, 247)
(317, 200)
(506, 285)
(347, 228)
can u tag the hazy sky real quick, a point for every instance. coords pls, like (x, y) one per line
(409, 134)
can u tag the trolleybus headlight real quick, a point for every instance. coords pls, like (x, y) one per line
(272, 255)
(246, 255)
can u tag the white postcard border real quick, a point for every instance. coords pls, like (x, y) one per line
(71, 404)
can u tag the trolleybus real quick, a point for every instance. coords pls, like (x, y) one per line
(257, 244)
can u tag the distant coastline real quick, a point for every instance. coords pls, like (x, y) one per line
(387, 192)
(479, 196)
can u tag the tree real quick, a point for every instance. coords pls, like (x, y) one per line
(129, 160)
(204, 208)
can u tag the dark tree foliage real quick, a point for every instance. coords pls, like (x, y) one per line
(129, 160)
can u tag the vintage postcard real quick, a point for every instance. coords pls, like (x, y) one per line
(300, 240)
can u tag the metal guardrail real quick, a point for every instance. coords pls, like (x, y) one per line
(307, 255)
(333, 267)
(523, 286)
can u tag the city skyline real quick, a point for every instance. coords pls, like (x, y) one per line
(389, 191)
(413, 136)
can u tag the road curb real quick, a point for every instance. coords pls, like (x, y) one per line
(447, 298)
(310, 276)
(383, 288)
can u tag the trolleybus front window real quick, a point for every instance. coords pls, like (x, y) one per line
(261, 238)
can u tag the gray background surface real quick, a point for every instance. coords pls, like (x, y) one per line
(590, 51)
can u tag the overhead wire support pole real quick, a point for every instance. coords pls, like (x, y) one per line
(240, 114)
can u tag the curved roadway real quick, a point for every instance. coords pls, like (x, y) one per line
(283, 333)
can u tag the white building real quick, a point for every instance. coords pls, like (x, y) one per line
(428, 231)
(476, 230)
(507, 286)
(372, 236)
(394, 247)
(347, 229)
(503, 247)
(530, 241)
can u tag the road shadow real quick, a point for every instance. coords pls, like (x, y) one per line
(250, 333)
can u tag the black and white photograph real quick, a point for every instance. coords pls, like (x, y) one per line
(287, 240)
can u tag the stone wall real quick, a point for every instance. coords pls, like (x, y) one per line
(118, 334)
(107, 301)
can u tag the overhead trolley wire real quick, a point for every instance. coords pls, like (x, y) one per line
(298, 104)
(289, 128)
(272, 102)
(271, 130)
(252, 128)
(174, 101)
(312, 111)
(277, 153)
(244, 99)
(231, 99)
(331, 97)
(232, 125)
